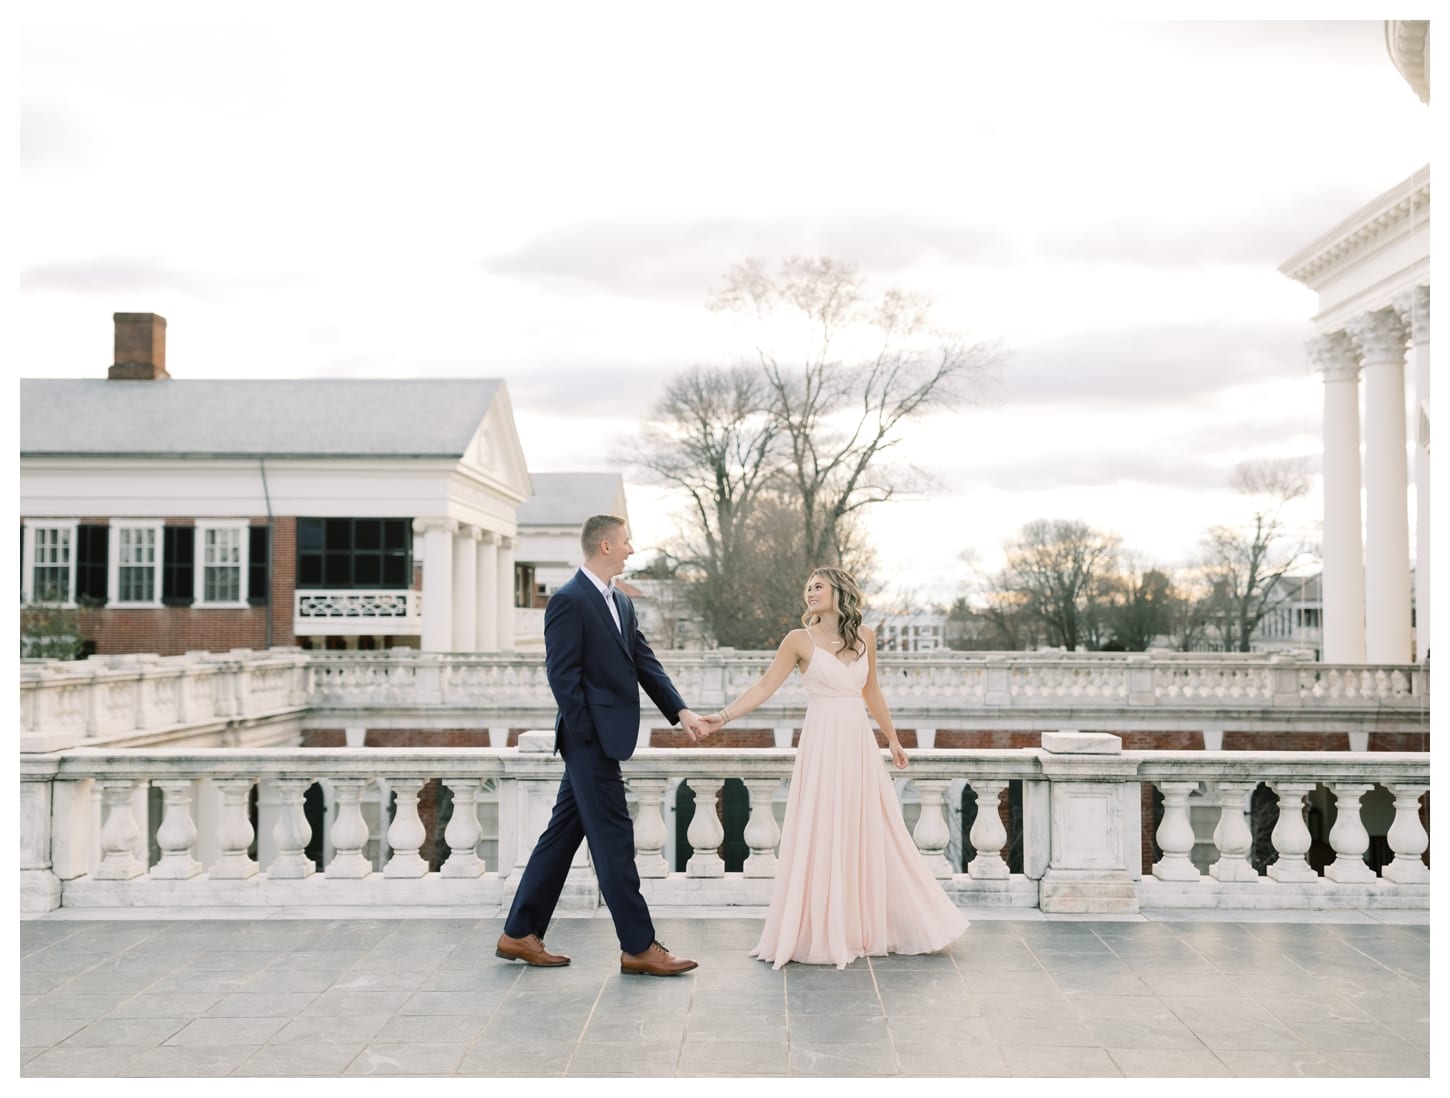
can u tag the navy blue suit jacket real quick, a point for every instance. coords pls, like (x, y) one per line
(595, 670)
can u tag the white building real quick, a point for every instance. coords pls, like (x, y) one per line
(918, 631)
(1372, 275)
(550, 520)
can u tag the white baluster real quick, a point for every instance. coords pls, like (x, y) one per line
(291, 832)
(931, 832)
(406, 834)
(649, 827)
(1407, 837)
(762, 833)
(1232, 835)
(462, 833)
(177, 834)
(349, 831)
(234, 831)
(1175, 834)
(705, 833)
(119, 833)
(988, 836)
(1348, 836)
(1291, 834)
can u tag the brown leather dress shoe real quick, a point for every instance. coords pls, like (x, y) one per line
(529, 949)
(655, 961)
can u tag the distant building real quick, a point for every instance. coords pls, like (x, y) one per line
(919, 631)
(1372, 347)
(549, 522)
(169, 516)
(666, 617)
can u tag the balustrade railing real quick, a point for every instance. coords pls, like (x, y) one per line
(1058, 828)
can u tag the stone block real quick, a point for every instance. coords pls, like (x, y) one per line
(1082, 743)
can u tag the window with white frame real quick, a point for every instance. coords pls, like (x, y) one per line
(136, 562)
(222, 577)
(50, 557)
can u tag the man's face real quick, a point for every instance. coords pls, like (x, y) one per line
(615, 549)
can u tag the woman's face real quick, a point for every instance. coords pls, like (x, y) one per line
(820, 596)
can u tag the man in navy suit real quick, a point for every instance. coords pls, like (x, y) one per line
(597, 660)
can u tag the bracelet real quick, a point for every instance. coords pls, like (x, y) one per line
(725, 716)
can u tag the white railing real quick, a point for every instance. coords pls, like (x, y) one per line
(175, 828)
(148, 699)
(320, 613)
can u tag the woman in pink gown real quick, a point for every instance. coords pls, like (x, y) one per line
(849, 881)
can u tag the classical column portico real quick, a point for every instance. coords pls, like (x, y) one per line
(488, 592)
(1414, 309)
(437, 581)
(1343, 553)
(1381, 341)
(505, 601)
(465, 589)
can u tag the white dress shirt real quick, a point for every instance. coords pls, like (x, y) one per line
(607, 591)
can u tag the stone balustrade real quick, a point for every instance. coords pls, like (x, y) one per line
(255, 697)
(286, 826)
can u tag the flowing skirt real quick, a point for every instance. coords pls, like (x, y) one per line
(849, 881)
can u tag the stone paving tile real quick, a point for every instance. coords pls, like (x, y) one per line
(165, 1006)
(1046, 1032)
(949, 1059)
(1143, 1033)
(409, 1059)
(628, 1058)
(46, 1032)
(861, 999)
(843, 1059)
(628, 1028)
(140, 1033)
(60, 1004)
(1045, 1062)
(282, 1004)
(187, 1061)
(1348, 1036)
(323, 1061)
(438, 1028)
(1394, 1065)
(837, 1029)
(919, 1029)
(1233, 1024)
(1278, 1062)
(713, 1028)
(1154, 1063)
(734, 1058)
(535, 1058)
(340, 1002)
(328, 1029)
(86, 1061)
(221, 1031)
(510, 1025)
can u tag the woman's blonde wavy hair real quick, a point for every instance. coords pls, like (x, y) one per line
(846, 598)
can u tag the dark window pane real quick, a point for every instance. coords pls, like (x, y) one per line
(178, 578)
(337, 572)
(395, 572)
(368, 534)
(91, 561)
(397, 533)
(257, 573)
(309, 534)
(338, 533)
(309, 571)
(367, 571)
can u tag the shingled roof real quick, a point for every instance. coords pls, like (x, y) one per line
(291, 418)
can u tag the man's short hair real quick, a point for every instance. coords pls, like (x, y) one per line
(596, 529)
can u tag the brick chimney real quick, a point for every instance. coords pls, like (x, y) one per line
(140, 348)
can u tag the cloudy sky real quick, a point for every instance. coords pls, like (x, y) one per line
(549, 193)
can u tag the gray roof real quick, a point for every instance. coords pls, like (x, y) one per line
(567, 499)
(307, 418)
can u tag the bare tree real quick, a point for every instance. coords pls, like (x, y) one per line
(1244, 563)
(1143, 608)
(868, 367)
(711, 437)
(1059, 565)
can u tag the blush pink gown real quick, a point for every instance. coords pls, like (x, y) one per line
(849, 881)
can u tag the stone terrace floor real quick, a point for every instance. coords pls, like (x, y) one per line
(350, 992)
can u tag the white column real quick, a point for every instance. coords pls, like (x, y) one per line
(1381, 340)
(1415, 315)
(505, 594)
(1343, 551)
(487, 593)
(465, 589)
(437, 582)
